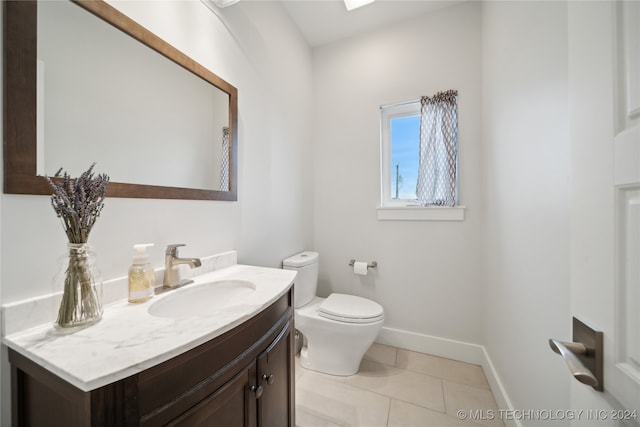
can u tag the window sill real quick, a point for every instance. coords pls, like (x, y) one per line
(420, 213)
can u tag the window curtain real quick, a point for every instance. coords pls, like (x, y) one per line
(438, 150)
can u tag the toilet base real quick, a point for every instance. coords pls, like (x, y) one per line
(332, 347)
(329, 367)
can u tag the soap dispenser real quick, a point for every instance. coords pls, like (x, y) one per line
(141, 275)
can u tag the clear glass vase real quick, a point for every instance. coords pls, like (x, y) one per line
(80, 282)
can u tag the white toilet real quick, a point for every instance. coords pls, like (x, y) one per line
(339, 329)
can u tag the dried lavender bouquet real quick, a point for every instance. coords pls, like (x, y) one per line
(78, 203)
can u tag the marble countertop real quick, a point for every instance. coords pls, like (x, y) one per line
(129, 340)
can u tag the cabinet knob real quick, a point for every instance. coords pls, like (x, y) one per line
(257, 389)
(269, 378)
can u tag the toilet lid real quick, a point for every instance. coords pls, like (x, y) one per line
(350, 308)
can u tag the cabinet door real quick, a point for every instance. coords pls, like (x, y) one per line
(276, 375)
(232, 405)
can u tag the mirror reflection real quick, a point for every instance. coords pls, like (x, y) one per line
(106, 98)
(87, 84)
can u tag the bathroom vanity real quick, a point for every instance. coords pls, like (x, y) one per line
(234, 367)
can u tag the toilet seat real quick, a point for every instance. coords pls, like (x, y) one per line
(350, 309)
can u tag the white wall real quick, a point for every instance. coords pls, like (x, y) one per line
(527, 198)
(255, 47)
(429, 277)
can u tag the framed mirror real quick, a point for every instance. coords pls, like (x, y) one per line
(75, 78)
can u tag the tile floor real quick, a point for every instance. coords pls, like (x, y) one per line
(395, 387)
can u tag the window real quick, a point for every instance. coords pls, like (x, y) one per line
(400, 148)
(419, 150)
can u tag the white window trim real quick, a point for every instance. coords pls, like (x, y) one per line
(403, 209)
(421, 213)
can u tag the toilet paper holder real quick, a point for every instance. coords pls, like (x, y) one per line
(371, 264)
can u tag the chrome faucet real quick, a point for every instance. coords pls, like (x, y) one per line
(171, 260)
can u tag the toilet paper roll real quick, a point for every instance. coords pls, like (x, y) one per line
(360, 267)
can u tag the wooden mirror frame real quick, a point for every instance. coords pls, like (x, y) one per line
(20, 51)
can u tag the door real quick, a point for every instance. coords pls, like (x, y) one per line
(604, 99)
(275, 372)
(232, 405)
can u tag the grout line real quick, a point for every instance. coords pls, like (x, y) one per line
(444, 396)
(388, 413)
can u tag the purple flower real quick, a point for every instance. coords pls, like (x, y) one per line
(78, 201)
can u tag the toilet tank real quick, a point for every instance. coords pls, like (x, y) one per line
(306, 282)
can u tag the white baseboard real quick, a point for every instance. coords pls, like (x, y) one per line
(456, 350)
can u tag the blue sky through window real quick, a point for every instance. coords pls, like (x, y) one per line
(405, 141)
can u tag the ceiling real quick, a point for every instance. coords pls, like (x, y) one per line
(326, 21)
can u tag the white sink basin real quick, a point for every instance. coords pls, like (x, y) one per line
(202, 300)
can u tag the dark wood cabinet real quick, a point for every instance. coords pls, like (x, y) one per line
(243, 378)
(231, 405)
(275, 375)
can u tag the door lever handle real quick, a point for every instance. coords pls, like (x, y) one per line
(569, 352)
(583, 356)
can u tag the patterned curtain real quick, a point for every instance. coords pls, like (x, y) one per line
(224, 167)
(438, 149)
